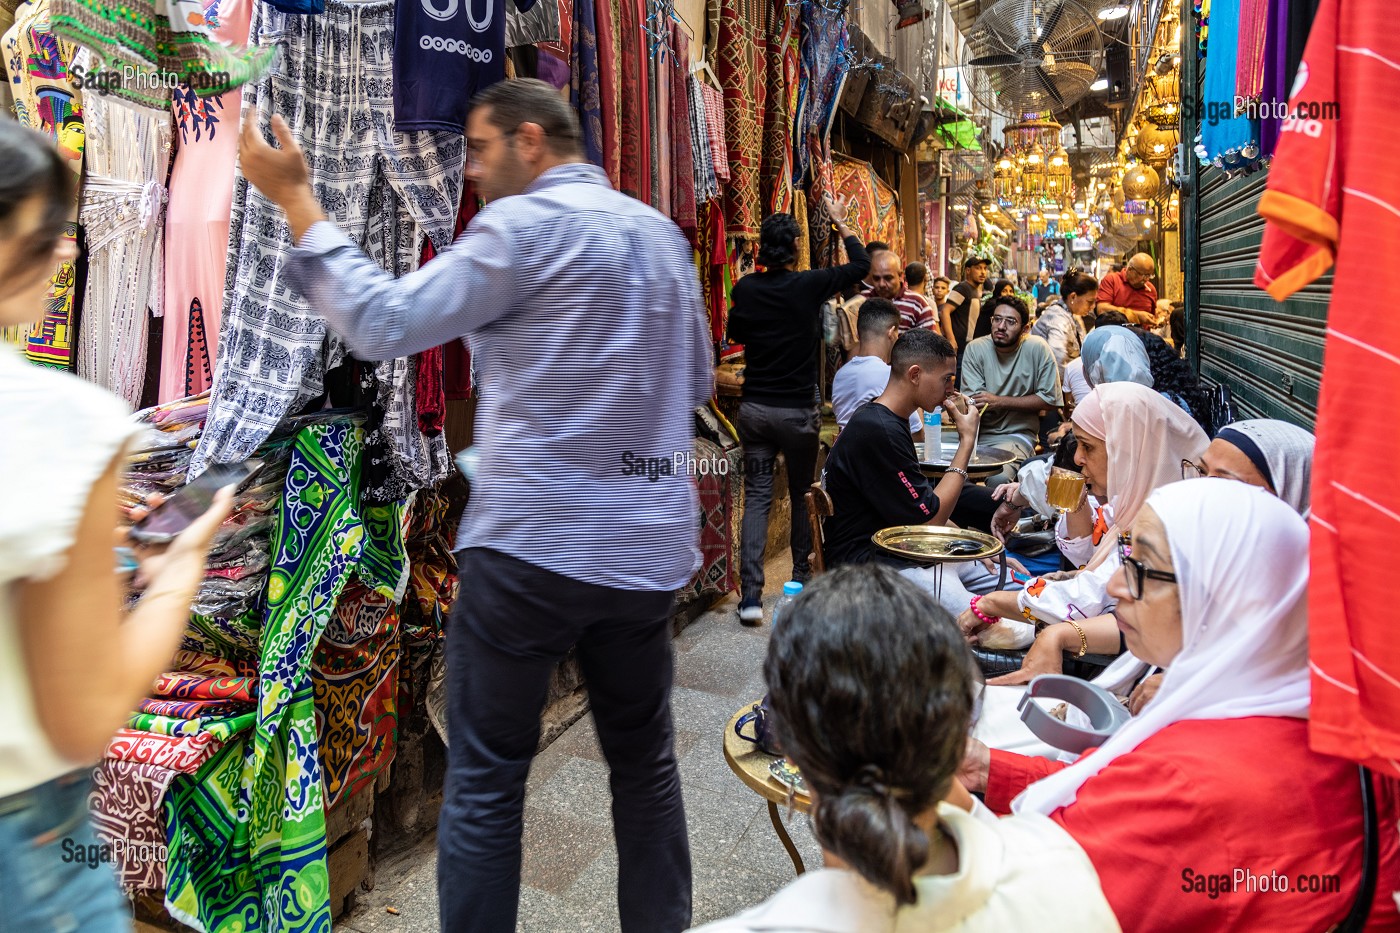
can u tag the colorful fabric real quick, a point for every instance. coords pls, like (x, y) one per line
(356, 683)
(780, 99)
(606, 13)
(167, 40)
(825, 39)
(706, 183)
(741, 57)
(713, 100)
(186, 709)
(125, 804)
(874, 205)
(248, 841)
(220, 727)
(635, 166)
(719, 502)
(183, 753)
(584, 92)
(203, 687)
(1334, 196)
(682, 152)
(47, 99)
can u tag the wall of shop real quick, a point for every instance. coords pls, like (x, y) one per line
(1268, 353)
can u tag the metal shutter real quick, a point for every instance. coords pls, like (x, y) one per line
(1268, 354)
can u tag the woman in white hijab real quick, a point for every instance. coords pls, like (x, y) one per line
(1273, 454)
(1213, 783)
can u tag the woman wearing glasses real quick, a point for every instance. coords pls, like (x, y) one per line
(1273, 455)
(1196, 811)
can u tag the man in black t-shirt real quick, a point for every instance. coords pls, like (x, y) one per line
(872, 473)
(776, 315)
(961, 310)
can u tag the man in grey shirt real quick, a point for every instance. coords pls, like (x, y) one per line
(589, 363)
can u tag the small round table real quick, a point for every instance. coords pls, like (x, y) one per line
(986, 461)
(751, 763)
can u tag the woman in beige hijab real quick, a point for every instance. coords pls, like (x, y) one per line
(1131, 442)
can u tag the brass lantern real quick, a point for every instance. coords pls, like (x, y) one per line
(1164, 102)
(1004, 178)
(1155, 144)
(1141, 182)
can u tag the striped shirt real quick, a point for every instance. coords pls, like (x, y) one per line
(582, 311)
(915, 311)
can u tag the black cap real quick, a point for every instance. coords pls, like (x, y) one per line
(971, 261)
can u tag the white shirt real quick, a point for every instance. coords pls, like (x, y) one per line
(58, 435)
(1015, 874)
(860, 380)
(1075, 382)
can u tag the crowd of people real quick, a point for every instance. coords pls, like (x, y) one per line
(1185, 568)
(1181, 591)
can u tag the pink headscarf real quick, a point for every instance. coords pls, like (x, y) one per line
(1146, 437)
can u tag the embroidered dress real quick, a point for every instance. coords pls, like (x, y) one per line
(48, 99)
(164, 40)
(385, 189)
(123, 212)
(197, 219)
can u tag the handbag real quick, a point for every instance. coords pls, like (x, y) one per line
(1222, 407)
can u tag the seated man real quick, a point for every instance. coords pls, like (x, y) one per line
(1014, 374)
(868, 371)
(872, 473)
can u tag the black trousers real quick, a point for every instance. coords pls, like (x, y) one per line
(511, 625)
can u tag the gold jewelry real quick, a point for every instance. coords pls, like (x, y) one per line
(1083, 639)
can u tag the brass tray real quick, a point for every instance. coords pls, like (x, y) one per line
(984, 457)
(936, 544)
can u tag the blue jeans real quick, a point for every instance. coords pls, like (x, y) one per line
(52, 878)
(509, 629)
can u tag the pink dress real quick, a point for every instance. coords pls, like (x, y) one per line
(197, 219)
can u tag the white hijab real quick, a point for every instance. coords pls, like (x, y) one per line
(1240, 556)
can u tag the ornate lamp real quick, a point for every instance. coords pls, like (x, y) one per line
(1155, 144)
(1141, 182)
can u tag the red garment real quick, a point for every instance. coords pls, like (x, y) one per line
(1336, 172)
(445, 372)
(915, 311)
(1213, 796)
(635, 168)
(683, 206)
(1115, 290)
(606, 14)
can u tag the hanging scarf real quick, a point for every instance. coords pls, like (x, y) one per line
(606, 14)
(742, 70)
(584, 92)
(683, 203)
(635, 166)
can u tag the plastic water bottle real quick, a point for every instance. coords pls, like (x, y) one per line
(790, 591)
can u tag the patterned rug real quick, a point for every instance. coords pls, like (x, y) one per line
(742, 63)
(874, 205)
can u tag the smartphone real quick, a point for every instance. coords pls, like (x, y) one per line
(190, 501)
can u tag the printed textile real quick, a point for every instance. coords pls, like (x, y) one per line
(444, 55)
(247, 834)
(47, 98)
(126, 812)
(635, 165)
(742, 59)
(706, 183)
(780, 103)
(874, 205)
(184, 753)
(384, 189)
(825, 39)
(682, 155)
(605, 13)
(166, 40)
(584, 92)
(356, 683)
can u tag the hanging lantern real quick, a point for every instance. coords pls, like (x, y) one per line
(1155, 144)
(1141, 182)
(1004, 178)
(1035, 224)
(1034, 177)
(1068, 219)
(1164, 106)
(1171, 217)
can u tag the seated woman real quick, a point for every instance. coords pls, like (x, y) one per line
(1213, 783)
(1131, 441)
(1274, 455)
(871, 693)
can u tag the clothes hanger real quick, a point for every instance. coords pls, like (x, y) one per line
(702, 68)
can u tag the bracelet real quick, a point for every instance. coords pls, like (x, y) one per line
(1083, 639)
(953, 469)
(988, 620)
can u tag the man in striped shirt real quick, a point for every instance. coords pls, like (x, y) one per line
(887, 281)
(579, 526)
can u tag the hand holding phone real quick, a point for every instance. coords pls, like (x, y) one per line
(189, 502)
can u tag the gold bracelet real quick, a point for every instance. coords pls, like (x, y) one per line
(1083, 639)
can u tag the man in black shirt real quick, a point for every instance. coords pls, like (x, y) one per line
(961, 319)
(872, 473)
(776, 315)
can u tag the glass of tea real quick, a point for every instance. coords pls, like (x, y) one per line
(1064, 489)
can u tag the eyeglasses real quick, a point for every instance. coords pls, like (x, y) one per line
(1135, 572)
(474, 150)
(1008, 321)
(1192, 470)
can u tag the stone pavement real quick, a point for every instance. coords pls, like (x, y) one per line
(569, 874)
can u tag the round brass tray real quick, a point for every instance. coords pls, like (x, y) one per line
(936, 544)
(985, 459)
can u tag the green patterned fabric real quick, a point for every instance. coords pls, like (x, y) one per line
(247, 833)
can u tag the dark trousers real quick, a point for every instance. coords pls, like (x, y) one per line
(766, 431)
(510, 626)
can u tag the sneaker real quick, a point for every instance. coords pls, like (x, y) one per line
(751, 612)
(802, 576)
